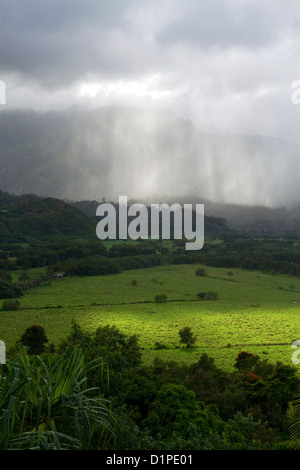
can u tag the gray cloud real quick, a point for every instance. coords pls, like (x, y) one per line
(219, 23)
(55, 42)
(227, 65)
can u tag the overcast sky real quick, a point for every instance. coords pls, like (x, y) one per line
(228, 65)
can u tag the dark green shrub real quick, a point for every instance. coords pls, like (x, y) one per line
(187, 336)
(201, 272)
(11, 305)
(8, 290)
(159, 345)
(201, 295)
(160, 298)
(34, 338)
(24, 276)
(5, 276)
(211, 295)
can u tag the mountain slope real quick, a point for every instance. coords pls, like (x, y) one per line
(27, 218)
(141, 153)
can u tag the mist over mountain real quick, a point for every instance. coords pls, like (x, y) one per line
(142, 153)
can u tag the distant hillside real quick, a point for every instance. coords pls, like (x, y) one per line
(142, 153)
(256, 219)
(28, 217)
(221, 218)
(214, 226)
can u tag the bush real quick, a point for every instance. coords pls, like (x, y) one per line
(209, 295)
(159, 345)
(187, 336)
(201, 295)
(8, 290)
(11, 305)
(245, 360)
(24, 276)
(160, 298)
(5, 276)
(35, 338)
(201, 272)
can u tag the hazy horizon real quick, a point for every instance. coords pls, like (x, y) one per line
(143, 154)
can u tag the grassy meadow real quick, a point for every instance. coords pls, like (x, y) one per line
(255, 312)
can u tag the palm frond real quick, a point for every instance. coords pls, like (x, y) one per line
(45, 403)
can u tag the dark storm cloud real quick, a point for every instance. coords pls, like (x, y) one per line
(237, 58)
(56, 42)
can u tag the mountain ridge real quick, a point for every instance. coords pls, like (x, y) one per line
(140, 153)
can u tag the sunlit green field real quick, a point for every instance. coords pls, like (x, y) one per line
(256, 312)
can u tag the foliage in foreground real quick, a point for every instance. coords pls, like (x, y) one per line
(198, 406)
(53, 401)
(45, 403)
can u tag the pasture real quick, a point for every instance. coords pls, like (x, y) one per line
(256, 312)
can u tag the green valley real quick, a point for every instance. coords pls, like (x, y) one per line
(255, 311)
